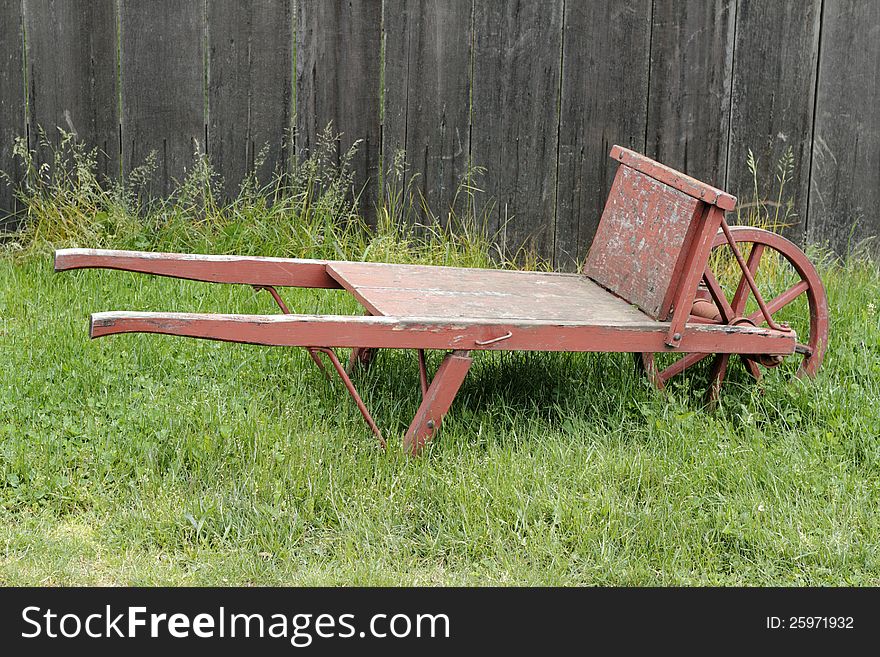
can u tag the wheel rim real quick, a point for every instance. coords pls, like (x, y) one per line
(811, 346)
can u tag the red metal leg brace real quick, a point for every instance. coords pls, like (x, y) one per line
(313, 352)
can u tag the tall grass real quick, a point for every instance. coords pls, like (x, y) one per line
(770, 207)
(309, 211)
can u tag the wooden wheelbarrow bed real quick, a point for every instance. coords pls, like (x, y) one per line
(639, 292)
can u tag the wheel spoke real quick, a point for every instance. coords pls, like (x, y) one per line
(782, 300)
(716, 377)
(808, 283)
(680, 366)
(752, 367)
(738, 303)
(717, 293)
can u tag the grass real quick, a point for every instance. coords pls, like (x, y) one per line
(153, 460)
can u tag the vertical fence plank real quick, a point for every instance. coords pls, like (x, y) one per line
(71, 61)
(337, 80)
(605, 58)
(12, 107)
(517, 57)
(427, 87)
(469, 81)
(845, 184)
(163, 87)
(774, 82)
(689, 101)
(250, 57)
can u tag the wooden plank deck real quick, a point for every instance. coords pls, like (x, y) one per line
(452, 292)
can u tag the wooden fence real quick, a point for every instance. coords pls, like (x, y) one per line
(535, 91)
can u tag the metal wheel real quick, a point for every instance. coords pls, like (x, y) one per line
(793, 292)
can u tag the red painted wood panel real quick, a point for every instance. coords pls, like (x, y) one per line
(435, 333)
(248, 270)
(676, 179)
(645, 230)
(414, 290)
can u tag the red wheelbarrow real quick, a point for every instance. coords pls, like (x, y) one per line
(646, 287)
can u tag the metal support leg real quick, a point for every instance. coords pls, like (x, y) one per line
(313, 353)
(271, 290)
(716, 378)
(437, 400)
(351, 391)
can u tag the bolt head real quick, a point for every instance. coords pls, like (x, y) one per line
(676, 337)
(430, 424)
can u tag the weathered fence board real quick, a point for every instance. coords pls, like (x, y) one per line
(517, 57)
(250, 64)
(71, 64)
(774, 81)
(845, 190)
(12, 106)
(605, 57)
(163, 87)
(535, 92)
(337, 81)
(689, 95)
(427, 94)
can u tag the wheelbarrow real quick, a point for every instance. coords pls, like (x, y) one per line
(647, 287)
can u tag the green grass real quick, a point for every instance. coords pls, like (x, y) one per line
(154, 460)
(145, 459)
